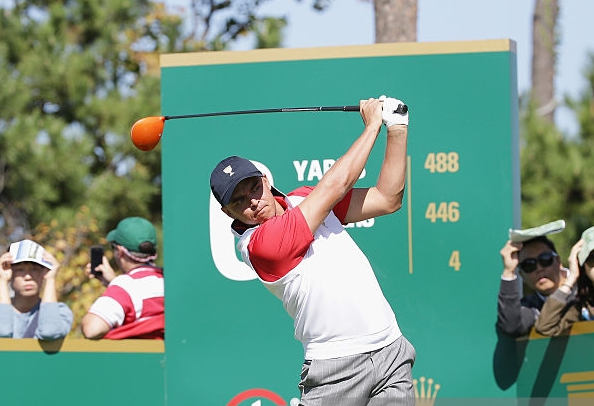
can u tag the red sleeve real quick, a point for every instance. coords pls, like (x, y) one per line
(279, 245)
(341, 208)
(121, 296)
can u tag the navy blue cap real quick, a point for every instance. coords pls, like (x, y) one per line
(227, 174)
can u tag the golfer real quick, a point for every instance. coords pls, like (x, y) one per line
(355, 353)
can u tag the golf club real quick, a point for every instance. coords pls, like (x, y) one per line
(146, 132)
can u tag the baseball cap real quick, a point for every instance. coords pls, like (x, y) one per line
(131, 232)
(588, 237)
(28, 251)
(227, 174)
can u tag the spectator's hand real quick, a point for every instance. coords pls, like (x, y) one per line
(389, 117)
(51, 274)
(509, 255)
(6, 266)
(371, 112)
(107, 272)
(574, 266)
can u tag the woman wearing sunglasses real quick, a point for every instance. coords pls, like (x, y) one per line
(564, 308)
(537, 262)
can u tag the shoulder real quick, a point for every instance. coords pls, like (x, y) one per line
(144, 271)
(302, 191)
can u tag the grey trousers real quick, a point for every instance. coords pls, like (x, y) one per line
(377, 378)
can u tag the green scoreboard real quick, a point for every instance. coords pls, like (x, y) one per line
(437, 259)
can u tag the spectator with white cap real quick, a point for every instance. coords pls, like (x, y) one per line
(33, 311)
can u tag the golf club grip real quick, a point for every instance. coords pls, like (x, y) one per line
(401, 109)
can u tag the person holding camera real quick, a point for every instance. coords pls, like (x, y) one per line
(132, 306)
(33, 311)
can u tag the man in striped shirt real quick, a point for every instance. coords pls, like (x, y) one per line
(132, 306)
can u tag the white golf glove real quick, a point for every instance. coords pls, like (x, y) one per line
(389, 117)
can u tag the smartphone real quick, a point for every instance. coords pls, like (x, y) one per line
(96, 259)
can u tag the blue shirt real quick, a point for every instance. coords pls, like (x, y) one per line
(46, 321)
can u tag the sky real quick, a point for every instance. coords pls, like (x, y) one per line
(351, 22)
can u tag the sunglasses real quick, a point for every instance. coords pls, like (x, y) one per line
(545, 259)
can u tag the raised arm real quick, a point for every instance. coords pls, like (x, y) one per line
(512, 318)
(386, 196)
(346, 170)
(5, 277)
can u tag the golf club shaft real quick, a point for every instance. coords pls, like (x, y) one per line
(401, 109)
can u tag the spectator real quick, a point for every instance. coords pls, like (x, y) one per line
(30, 270)
(132, 306)
(563, 308)
(355, 353)
(533, 255)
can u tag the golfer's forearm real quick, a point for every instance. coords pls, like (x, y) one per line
(346, 170)
(392, 177)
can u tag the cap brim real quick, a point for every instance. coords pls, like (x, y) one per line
(585, 252)
(44, 264)
(111, 236)
(535, 232)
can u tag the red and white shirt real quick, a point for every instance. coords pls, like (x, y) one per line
(324, 280)
(133, 305)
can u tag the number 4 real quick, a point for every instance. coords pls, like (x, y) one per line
(455, 260)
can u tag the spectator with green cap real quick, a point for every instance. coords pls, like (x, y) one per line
(563, 309)
(132, 306)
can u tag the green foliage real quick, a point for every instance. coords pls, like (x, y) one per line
(75, 76)
(557, 170)
(269, 32)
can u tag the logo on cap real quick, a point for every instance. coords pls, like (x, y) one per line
(228, 170)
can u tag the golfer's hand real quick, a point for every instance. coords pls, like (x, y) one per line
(389, 117)
(371, 112)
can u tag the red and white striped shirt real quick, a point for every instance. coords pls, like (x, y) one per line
(133, 305)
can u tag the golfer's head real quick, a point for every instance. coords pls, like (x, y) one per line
(227, 175)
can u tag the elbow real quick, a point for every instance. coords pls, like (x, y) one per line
(53, 334)
(92, 328)
(544, 329)
(545, 332)
(511, 329)
(394, 203)
(91, 334)
(548, 331)
(396, 206)
(510, 332)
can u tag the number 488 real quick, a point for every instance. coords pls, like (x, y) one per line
(442, 162)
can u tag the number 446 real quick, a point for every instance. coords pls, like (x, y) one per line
(443, 211)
